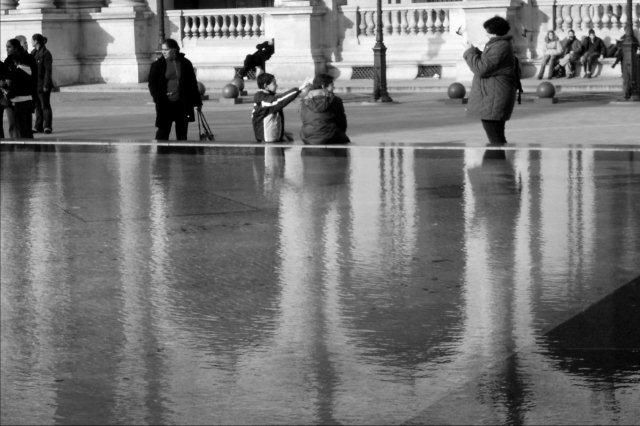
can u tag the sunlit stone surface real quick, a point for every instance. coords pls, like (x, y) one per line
(271, 285)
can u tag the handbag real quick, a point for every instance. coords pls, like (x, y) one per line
(203, 128)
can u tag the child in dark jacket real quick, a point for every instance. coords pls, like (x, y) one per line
(323, 119)
(267, 117)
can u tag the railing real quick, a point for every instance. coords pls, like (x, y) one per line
(222, 23)
(584, 15)
(416, 19)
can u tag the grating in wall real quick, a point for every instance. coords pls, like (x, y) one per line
(428, 71)
(251, 75)
(362, 73)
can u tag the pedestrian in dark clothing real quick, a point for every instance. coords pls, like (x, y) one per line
(44, 62)
(258, 59)
(4, 101)
(495, 78)
(174, 88)
(324, 121)
(18, 87)
(593, 48)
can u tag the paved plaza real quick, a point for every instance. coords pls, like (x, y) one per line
(415, 277)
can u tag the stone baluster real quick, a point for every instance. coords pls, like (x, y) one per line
(395, 22)
(623, 17)
(445, 20)
(404, 24)
(201, 28)
(216, 26)
(567, 17)
(439, 22)
(371, 23)
(386, 18)
(225, 28)
(247, 26)
(429, 21)
(411, 21)
(606, 16)
(187, 27)
(421, 24)
(595, 15)
(586, 16)
(362, 26)
(577, 16)
(254, 26)
(209, 28)
(559, 18)
(194, 27)
(232, 26)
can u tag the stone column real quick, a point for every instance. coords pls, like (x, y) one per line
(301, 56)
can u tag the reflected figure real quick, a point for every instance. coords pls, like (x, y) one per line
(326, 166)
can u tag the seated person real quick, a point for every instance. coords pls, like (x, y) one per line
(615, 51)
(267, 117)
(552, 52)
(323, 119)
(592, 49)
(258, 59)
(571, 51)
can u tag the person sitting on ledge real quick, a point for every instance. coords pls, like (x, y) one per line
(552, 51)
(323, 119)
(593, 48)
(571, 50)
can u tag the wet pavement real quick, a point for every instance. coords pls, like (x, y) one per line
(199, 285)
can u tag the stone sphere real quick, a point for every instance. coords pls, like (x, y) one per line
(546, 90)
(456, 91)
(230, 91)
(239, 83)
(201, 88)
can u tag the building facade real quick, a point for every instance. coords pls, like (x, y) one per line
(115, 41)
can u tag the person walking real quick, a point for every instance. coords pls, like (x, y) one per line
(593, 48)
(552, 51)
(174, 89)
(44, 63)
(324, 121)
(18, 87)
(495, 78)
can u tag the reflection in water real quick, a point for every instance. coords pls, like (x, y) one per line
(318, 286)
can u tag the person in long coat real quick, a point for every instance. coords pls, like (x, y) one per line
(494, 86)
(174, 89)
(42, 100)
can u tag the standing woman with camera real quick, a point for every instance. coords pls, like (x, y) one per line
(44, 62)
(495, 79)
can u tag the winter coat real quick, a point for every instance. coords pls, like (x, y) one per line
(267, 117)
(20, 75)
(323, 119)
(493, 90)
(593, 47)
(572, 46)
(553, 47)
(44, 62)
(189, 93)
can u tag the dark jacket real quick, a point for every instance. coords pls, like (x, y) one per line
(493, 90)
(20, 81)
(267, 117)
(593, 47)
(323, 119)
(189, 93)
(572, 46)
(44, 63)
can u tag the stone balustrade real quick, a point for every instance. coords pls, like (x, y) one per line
(603, 14)
(204, 24)
(414, 19)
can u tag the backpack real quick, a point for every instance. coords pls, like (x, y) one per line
(517, 75)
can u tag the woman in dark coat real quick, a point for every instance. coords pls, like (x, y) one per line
(323, 119)
(44, 62)
(493, 91)
(174, 88)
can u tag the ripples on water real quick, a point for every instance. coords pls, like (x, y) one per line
(314, 286)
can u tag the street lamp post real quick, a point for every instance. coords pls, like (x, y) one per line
(630, 71)
(380, 61)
